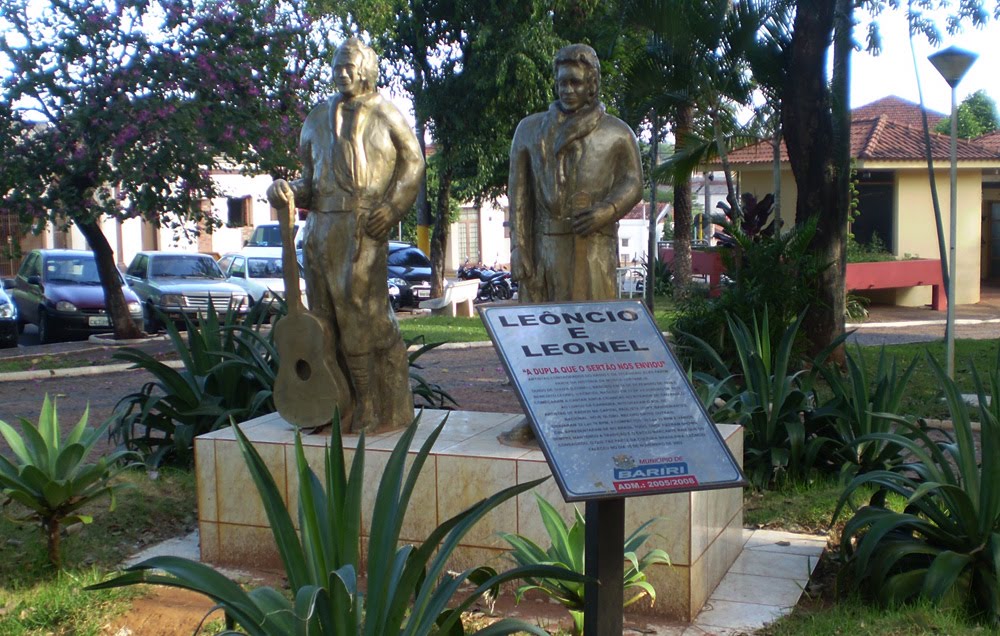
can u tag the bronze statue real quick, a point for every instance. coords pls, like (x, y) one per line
(574, 172)
(361, 169)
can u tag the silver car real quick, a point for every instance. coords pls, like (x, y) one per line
(258, 270)
(181, 284)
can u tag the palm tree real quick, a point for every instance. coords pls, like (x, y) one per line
(696, 62)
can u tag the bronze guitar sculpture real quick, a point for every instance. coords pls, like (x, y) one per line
(308, 387)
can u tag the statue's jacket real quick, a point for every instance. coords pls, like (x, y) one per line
(377, 162)
(561, 163)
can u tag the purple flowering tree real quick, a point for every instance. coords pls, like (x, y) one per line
(120, 109)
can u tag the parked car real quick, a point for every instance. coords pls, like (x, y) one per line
(269, 235)
(258, 270)
(181, 284)
(410, 271)
(60, 292)
(8, 318)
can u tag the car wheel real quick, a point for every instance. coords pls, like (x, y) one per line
(45, 329)
(149, 322)
(394, 303)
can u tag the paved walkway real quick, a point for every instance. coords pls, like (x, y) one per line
(763, 584)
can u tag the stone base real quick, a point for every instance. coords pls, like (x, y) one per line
(701, 531)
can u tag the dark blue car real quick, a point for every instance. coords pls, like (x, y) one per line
(410, 272)
(8, 320)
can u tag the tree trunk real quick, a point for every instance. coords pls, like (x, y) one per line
(652, 254)
(682, 210)
(114, 297)
(423, 207)
(53, 539)
(808, 123)
(439, 233)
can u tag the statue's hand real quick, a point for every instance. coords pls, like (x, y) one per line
(379, 222)
(592, 219)
(279, 193)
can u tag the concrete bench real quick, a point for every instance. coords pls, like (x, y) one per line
(912, 272)
(456, 300)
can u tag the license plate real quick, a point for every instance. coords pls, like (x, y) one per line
(98, 321)
(423, 293)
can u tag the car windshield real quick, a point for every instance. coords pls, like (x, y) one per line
(268, 236)
(264, 267)
(78, 270)
(184, 266)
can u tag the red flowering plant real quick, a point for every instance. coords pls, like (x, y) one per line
(122, 109)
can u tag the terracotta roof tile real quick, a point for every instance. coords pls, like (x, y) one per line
(898, 110)
(990, 140)
(881, 138)
(641, 209)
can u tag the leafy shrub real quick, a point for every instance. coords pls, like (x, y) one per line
(49, 475)
(945, 545)
(779, 272)
(567, 551)
(871, 252)
(408, 588)
(863, 404)
(229, 371)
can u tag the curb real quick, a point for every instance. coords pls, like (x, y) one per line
(109, 339)
(74, 372)
(901, 324)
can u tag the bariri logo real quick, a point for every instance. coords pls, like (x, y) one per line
(667, 476)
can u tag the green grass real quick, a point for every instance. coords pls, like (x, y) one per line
(802, 507)
(853, 617)
(444, 329)
(36, 600)
(923, 398)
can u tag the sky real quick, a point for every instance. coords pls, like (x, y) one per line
(891, 73)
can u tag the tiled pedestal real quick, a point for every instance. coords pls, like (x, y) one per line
(701, 531)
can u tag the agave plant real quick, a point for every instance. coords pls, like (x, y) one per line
(229, 371)
(945, 545)
(408, 589)
(863, 404)
(50, 476)
(567, 551)
(767, 398)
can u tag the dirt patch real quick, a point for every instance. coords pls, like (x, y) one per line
(166, 611)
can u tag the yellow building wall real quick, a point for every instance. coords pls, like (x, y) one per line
(914, 227)
(915, 233)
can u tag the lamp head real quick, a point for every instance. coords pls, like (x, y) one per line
(952, 63)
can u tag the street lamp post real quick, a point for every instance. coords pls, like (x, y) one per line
(952, 63)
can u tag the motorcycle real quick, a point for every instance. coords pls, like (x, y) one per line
(493, 284)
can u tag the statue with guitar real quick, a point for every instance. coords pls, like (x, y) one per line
(361, 169)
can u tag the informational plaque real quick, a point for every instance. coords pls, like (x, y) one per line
(611, 407)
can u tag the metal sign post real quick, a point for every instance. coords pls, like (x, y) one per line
(604, 538)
